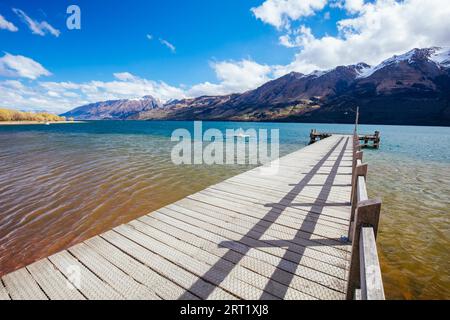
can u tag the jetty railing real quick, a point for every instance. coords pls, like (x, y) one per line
(364, 281)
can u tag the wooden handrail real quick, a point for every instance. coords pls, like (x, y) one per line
(370, 272)
(365, 272)
(361, 190)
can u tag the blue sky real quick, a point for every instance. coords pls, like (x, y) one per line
(219, 46)
(113, 38)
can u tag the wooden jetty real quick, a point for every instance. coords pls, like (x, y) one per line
(306, 232)
(370, 140)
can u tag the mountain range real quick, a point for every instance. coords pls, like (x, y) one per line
(409, 89)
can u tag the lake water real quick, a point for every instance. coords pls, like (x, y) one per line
(61, 184)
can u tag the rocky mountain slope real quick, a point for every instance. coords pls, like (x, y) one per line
(114, 109)
(413, 88)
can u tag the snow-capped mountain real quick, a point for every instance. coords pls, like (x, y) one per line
(114, 109)
(412, 88)
(440, 56)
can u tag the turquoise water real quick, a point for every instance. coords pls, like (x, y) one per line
(60, 184)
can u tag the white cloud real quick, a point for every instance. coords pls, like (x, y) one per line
(234, 77)
(168, 45)
(6, 25)
(352, 6)
(39, 28)
(375, 32)
(20, 66)
(279, 12)
(62, 96)
(149, 36)
(297, 38)
(124, 76)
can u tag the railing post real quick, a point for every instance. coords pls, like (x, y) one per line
(358, 171)
(367, 214)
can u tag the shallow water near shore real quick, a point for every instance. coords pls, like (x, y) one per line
(61, 184)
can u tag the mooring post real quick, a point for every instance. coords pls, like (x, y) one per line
(312, 136)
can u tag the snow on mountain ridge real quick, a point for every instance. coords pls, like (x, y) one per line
(439, 55)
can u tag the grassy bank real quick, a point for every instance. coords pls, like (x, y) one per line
(8, 116)
(11, 123)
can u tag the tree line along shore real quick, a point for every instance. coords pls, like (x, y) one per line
(8, 115)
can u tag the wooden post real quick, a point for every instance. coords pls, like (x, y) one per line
(377, 140)
(359, 170)
(312, 136)
(367, 214)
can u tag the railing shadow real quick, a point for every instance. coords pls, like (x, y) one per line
(294, 255)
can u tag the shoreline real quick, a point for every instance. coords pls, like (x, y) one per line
(16, 123)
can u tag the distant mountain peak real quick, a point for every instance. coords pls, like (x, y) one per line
(411, 88)
(115, 109)
(438, 55)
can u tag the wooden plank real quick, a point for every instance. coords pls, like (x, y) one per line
(168, 269)
(216, 276)
(310, 222)
(54, 284)
(21, 286)
(109, 273)
(241, 226)
(163, 287)
(328, 214)
(249, 237)
(278, 251)
(254, 228)
(3, 293)
(362, 191)
(216, 259)
(269, 254)
(258, 261)
(294, 198)
(83, 279)
(371, 280)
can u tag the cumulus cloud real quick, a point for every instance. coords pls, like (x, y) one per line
(36, 27)
(375, 31)
(21, 67)
(126, 86)
(168, 45)
(280, 12)
(62, 96)
(124, 76)
(234, 77)
(352, 6)
(6, 25)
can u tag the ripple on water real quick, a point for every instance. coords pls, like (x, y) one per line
(62, 184)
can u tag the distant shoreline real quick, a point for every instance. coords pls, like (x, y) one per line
(12, 123)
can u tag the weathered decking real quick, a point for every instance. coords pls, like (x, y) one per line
(252, 236)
